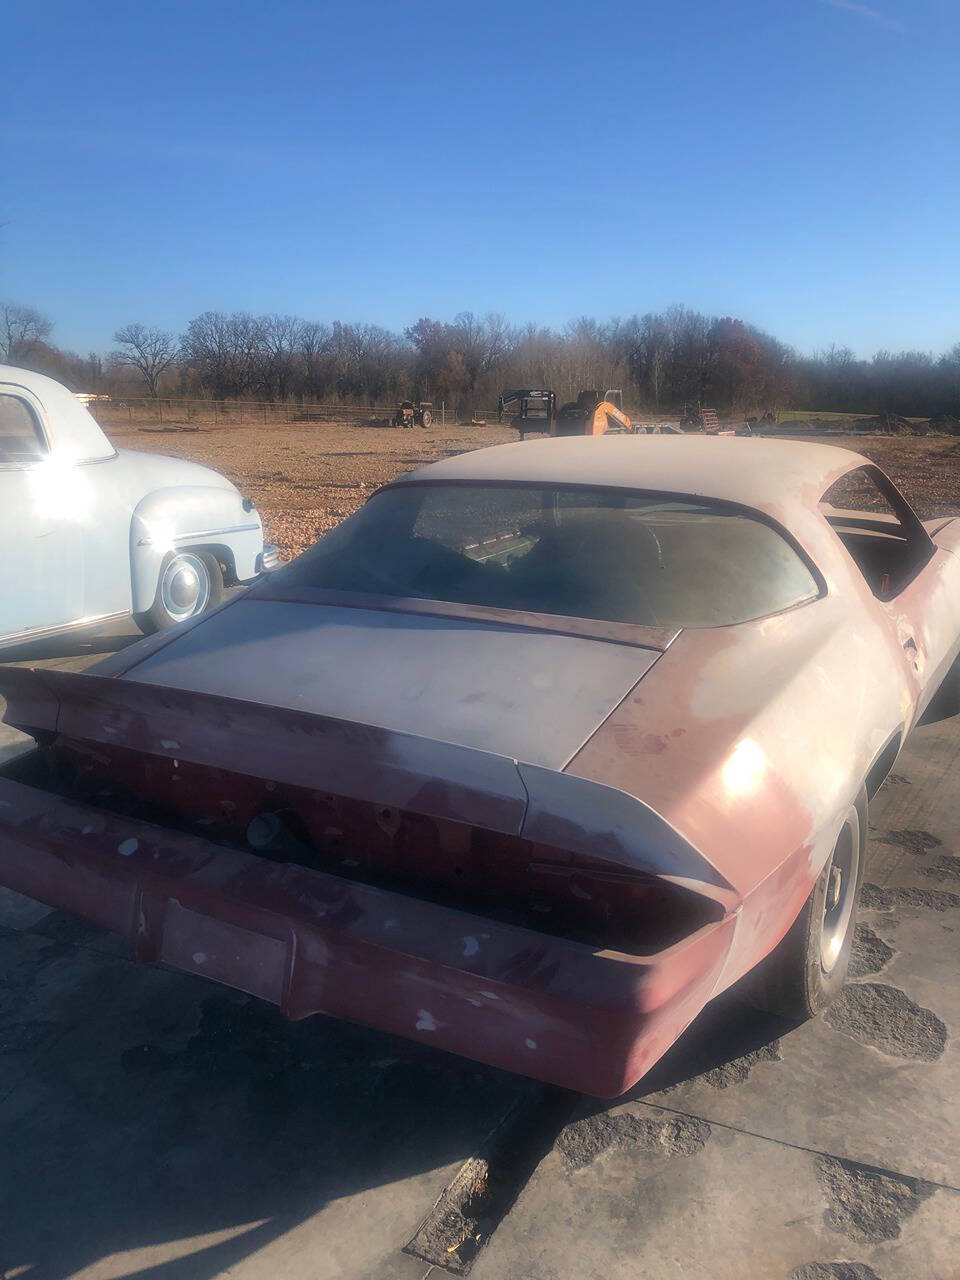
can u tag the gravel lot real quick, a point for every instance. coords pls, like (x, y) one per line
(306, 477)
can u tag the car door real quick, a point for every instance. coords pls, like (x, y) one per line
(41, 582)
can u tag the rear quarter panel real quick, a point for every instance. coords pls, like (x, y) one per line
(752, 741)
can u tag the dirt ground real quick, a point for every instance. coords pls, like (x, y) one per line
(306, 477)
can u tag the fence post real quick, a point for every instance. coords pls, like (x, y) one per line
(443, 413)
(160, 407)
(240, 407)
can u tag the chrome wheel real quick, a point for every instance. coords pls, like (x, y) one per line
(841, 893)
(184, 586)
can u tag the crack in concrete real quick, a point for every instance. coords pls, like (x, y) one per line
(864, 1204)
(584, 1140)
(713, 1123)
(887, 1019)
(870, 953)
(875, 897)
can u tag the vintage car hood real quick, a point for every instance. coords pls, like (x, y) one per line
(530, 695)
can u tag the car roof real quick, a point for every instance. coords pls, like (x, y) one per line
(71, 428)
(769, 475)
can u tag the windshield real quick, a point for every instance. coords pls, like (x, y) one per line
(614, 556)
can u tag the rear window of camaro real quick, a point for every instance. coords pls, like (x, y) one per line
(607, 555)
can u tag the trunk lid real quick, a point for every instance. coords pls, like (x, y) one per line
(529, 695)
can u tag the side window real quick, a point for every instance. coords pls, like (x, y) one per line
(21, 440)
(879, 529)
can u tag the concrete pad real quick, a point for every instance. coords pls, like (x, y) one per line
(149, 1119)
(841, 1121)
(636, 1191)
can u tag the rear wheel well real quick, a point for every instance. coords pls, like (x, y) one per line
(882, 765)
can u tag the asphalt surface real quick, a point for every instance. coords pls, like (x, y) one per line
(154, 1125)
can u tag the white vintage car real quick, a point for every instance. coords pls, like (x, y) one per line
(91, 533)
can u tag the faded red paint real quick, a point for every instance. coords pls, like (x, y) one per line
(746, 749)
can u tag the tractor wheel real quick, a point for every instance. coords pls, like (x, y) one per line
(426, 418)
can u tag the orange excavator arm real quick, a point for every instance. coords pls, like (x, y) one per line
(607, 417)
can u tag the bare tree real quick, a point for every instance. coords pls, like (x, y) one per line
(22, 329)
(150, 351)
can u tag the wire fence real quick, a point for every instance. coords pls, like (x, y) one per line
(175, 413)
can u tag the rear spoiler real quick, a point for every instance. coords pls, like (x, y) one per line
(361, 762)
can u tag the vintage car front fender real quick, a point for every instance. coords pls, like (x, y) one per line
(178, 517)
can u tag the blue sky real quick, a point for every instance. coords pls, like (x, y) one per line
(791, 162)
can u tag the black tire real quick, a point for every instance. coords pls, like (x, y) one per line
(426, 418)
(163, 613)
(806, 972)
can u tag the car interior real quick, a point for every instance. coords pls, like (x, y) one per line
(882, 534)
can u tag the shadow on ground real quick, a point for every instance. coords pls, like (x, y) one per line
(140, 1107)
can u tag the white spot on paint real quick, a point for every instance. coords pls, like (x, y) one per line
(128, 847)
(485, 937)
(477, 1004)
(349, 862)
(531, 1044)
(490, 995)
(425, 1020)
(200, 957)
(107, 728)
(470, 946)
(86, 830)
(5, 804)
(541, 907)
(581, 893)
(389, 924)
(168, 744)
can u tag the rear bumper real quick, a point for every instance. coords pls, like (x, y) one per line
(310, 942)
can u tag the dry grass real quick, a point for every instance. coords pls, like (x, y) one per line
(306, 477)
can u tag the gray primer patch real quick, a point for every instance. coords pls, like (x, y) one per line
(581, 1142)
(870, 953)
(875, 897)
(918, 842)
(946, 865)
(834, 1271)
(886, 1018)
(865, 1204)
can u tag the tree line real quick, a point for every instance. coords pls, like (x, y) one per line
(664, 362)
